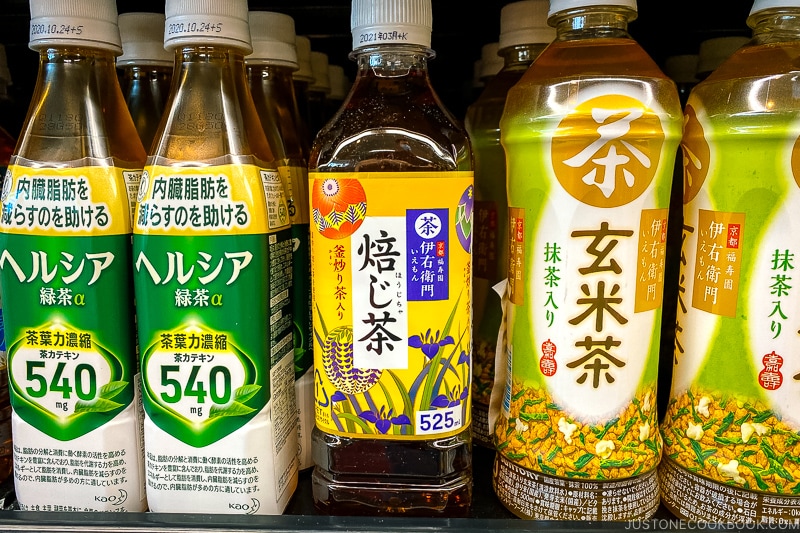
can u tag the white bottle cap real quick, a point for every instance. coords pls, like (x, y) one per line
(143, 40)
(375, 22)
(525, 22)
(273, 39)
(762, 5)
(714, 52)
(491, 63)
(319, 66)
(682, 68)
(557, 6)
(303, 46)
(5, 74)
(88, 23)
(339, 83)
(220, 22)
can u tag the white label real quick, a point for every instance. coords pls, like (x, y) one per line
(439, 420)
(277, 209)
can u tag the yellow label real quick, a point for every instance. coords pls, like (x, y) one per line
(650, 264)
(718, 262)
(244, 199)
(516, 255)
(391, 260)
(65, 201)
(296, 181)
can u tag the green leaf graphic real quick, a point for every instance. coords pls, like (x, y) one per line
(245, 392)
(234, 409)
(113, 388)
(98, 405)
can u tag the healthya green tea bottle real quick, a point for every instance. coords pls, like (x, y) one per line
(390, 179)
(269, 72)
(66, 272)
(212, 260)
(590, 134)
(524, 33)
(732, 429)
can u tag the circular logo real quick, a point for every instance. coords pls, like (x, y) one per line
(338, 206)
(428, 225)
(696, 155)
(606, 152)
(144, 183)
(463, 219)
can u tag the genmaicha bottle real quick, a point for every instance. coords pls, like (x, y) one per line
(524, 33)
(212, 261)
(145, 68)
(269, 72)
(732, 429)
(590, 134)
(66, 274)
(391, 236)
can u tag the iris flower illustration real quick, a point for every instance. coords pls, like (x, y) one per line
(429, 344)
(451, 399)
(384, 421)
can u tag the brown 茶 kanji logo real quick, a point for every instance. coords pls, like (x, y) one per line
(696, 155)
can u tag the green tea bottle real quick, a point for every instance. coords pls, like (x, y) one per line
(269, 72)
(212, 262)
(590, 134)
(524, 33)
(390, 179)
(65, 258)
(732, 428)
(145, 68)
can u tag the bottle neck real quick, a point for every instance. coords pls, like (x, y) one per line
(392, 61)
(521, 55)
(775, 26)
(596, 22)
(146, 72)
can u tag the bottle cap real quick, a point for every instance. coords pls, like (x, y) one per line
(375, 22)
(273, 39)
(557, 6)
(763, 5)
(714, 52)
(682, 68)
(491, 63)
(5, 74)
(525, 22)
(220, 22)
(339, 83)
(143, 40)
(303, 46)
(88, 23)
(319, 66)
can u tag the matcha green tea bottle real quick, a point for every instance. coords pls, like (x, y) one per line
(66, 277)
(732, 428)
(269, 72)
(145, 68)
(212, 262)
(524, 33)
(390, 179)
(590, 134)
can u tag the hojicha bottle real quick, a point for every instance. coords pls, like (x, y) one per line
(66, 278)
(590, 133)
(146, 70)
(732, 430)
(524, 33)
(391, 197)
(269, 72)
(212, 256)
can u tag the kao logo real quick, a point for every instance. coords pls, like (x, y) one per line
(606, 152)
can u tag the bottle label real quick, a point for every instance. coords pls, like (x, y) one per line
(212, 269)
(586, 268)
(734, 416)
(68, 314)
(392, 299)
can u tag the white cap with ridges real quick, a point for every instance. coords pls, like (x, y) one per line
(319, 66)
(525, 22)
(763, 5)
(375, 22)
(220, 22)
(557, 6)
(88, 23)
(143, 40)
(273, 39)
(303, 45)
(491, 63)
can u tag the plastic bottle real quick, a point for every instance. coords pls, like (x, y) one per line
(491, 61)
(524, 33)
(269, 71)
(212, 268)
(391, 196)
(66, 271)
(302, 78)
(146, 70)
(731, 430)
(318, 91)
(340, 86)
(590, 134)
